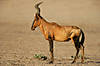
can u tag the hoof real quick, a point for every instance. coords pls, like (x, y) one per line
(50, 62)
(72, 62)
(82, 62)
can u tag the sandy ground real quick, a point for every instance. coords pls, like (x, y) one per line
(18, 43)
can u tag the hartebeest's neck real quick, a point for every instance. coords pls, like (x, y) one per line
(43, 25)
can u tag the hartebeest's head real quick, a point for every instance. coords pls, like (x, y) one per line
(36, 21)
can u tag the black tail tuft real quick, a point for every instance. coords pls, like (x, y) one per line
(82, 38)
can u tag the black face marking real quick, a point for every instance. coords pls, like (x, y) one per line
(32, 23)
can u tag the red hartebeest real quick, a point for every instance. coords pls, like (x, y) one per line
(53, 31)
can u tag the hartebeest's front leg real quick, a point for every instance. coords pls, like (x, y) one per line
(51, 49)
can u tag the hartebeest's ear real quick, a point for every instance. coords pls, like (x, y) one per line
(37, 16)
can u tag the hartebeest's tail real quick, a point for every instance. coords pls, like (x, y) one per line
(82, 38)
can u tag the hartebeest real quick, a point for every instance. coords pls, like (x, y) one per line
(53, 31)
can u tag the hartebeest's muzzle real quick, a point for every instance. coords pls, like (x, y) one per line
(32, 28)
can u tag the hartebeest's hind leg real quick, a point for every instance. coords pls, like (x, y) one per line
(51, 49)
(82, 51)
(77, 46)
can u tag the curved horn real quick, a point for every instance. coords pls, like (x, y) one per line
(37, 7)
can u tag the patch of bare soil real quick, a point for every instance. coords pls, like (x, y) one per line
(18, 44)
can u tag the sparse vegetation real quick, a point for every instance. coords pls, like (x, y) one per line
(40, 57)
